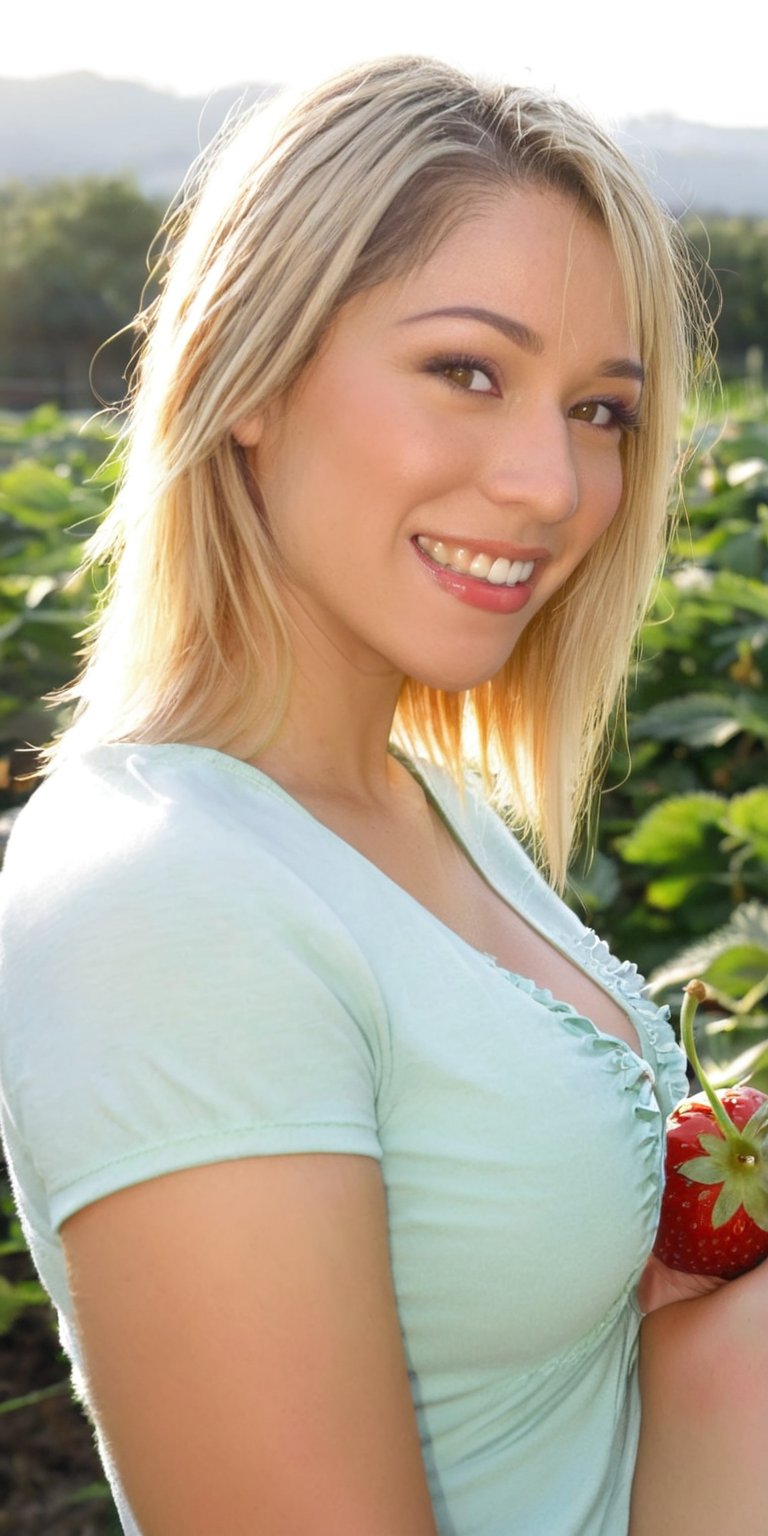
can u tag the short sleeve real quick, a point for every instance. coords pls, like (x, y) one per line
(181, 1000)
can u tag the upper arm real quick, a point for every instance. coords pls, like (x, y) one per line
(193, 1059)
(243, 1351)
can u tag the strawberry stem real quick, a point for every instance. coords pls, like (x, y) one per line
(695, 992)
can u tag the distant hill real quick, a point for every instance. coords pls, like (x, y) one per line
(698, 167)
(81, 124)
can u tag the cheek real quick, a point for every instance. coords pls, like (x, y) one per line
(357, 459)
(390, 439)
(382, 459)
(607, 488)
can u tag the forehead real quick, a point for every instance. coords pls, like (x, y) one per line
(532, 254)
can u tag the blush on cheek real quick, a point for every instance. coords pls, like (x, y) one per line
(379, 413)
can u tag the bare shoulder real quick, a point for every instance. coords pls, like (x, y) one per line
(243, 1350)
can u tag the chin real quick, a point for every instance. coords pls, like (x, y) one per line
(459, 679)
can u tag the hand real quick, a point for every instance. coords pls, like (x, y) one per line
(660, 1285)
(701, 1463)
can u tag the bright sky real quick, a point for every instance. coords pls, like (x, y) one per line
(699, 59)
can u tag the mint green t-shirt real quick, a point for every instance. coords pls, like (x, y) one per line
(196, 969)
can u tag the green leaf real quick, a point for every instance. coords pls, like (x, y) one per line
(34, 496)
(746, 1066)
(753, 714)
(31, 1399)
(42, 421)
(748, 817)
(743, 554)
(674, 829)
(671, 891)
(742, 592)
(92, 1493)
(737, 969)
(747, 929)
(14, 1299)
(698, 719)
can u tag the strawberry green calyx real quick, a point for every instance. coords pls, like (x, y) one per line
(737, 1158)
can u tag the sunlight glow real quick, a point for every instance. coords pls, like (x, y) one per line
(667, 59)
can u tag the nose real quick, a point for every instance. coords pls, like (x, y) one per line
(530, 464)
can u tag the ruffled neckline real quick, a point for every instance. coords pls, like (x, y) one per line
(663, 1069)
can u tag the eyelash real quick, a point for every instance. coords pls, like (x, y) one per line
(625, 416)
(443, 364)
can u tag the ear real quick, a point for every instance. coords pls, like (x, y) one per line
(248, 430)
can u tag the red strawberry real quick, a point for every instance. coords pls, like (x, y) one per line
(714, 1214)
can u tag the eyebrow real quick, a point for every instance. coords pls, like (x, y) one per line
(524, 337)
(622, 368)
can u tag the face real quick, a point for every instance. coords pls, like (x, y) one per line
(454, 449)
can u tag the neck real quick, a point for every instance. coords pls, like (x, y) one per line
(334, 738)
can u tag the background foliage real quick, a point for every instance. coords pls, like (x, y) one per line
(737, 252)
(679, 882)
(73, 267)
(679, 878)
(54, 484)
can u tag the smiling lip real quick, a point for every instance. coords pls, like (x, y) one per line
(474, 590)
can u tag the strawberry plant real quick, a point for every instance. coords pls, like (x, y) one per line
(679, 877)
(54, 485)
(733, 963)
(682, 840)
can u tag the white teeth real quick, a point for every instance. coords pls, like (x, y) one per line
(500, 571)
(520, 570)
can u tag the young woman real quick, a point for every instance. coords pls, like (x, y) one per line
(336, 1137)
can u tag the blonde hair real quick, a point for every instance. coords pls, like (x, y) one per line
(353, 186)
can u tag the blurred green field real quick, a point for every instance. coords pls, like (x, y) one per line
(677, 880)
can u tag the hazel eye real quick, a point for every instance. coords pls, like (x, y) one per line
(596, 412)
(465, 376)
(607, 415)
(462, 371)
